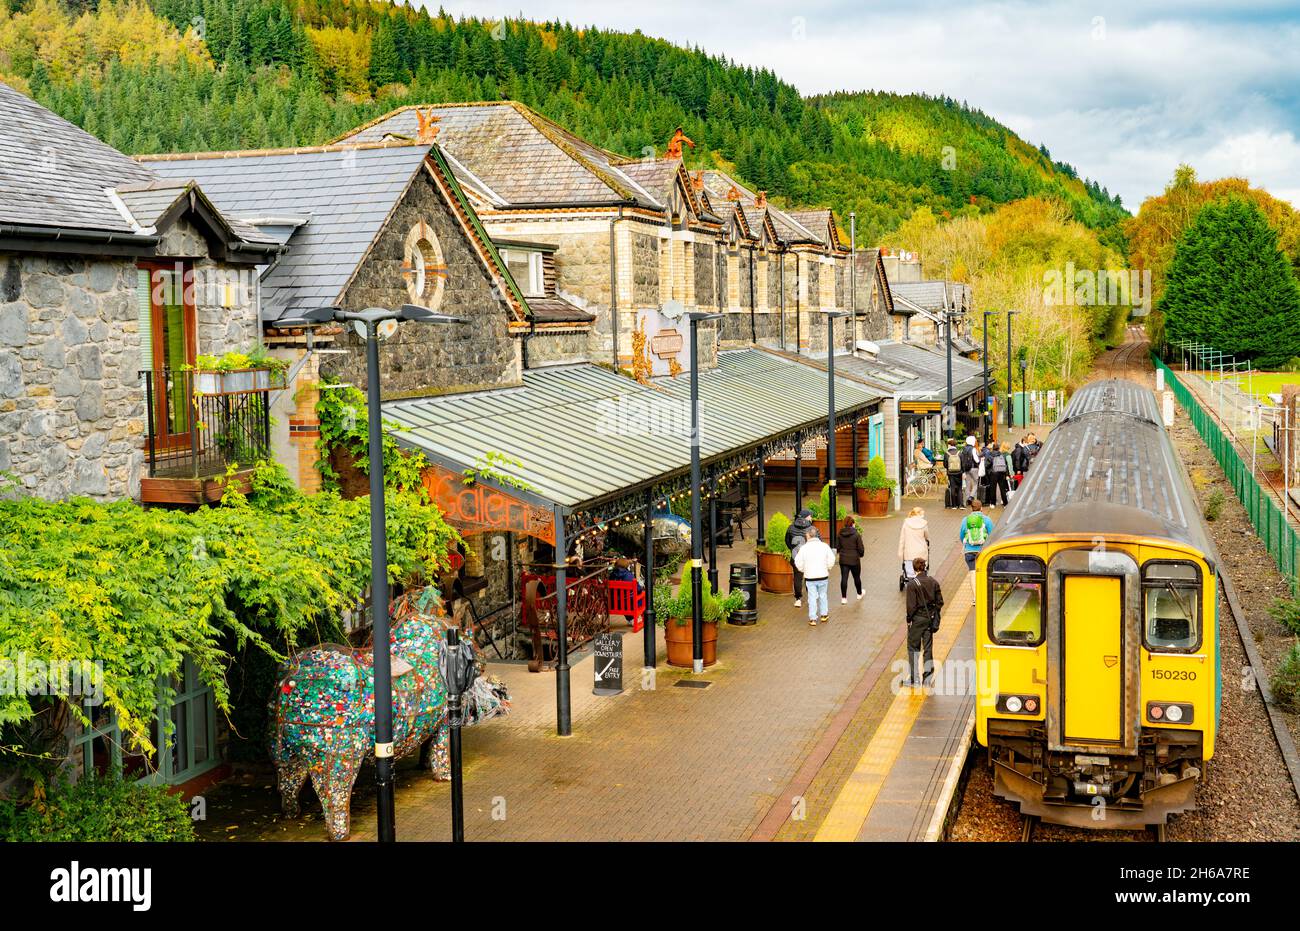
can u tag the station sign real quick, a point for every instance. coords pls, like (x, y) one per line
(920, 407)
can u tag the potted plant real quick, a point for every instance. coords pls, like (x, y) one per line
(674, 613)
(775, 574)
(207, 375)
(237, 373)
(871, 492)
(821, 513)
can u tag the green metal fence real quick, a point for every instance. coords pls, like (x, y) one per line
(1267, 518)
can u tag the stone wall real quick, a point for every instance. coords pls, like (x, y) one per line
(72, 409)
(746, 266)
(704, 272)
(546, 347)
(645, 271)
(430, 358)
(720, 276)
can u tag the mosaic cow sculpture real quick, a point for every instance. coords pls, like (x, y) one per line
(323, 714)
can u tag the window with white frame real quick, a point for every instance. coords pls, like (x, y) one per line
(526, 268)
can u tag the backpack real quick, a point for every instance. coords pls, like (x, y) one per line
(928, 608)
(953, 462)
(976, 530)
(1000, 463)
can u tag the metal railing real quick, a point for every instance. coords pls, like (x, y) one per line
(199, 426)
(1271, 526)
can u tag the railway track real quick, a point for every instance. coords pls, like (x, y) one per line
(1233, 769)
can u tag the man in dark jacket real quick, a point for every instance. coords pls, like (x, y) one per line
(924, 605)
(851, 552)
(952, 461)
(795, 536)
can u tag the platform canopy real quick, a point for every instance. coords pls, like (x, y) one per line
(583, 435)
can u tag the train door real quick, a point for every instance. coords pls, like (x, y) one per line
(1092, 671)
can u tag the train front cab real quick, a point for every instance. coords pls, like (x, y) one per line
(1099, 678)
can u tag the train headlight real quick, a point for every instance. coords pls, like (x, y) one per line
(1018, 704)
(1031, 705)
(1014, 704)
(1174, 713)
(1156, 712)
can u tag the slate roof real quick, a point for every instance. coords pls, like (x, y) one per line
(344, 193)
(787, 228)
(931, 366)
(523, 157)
(816, 222)
(929, 295)
(655, 175)
(151, 202)
(552, 309)
(54, 174)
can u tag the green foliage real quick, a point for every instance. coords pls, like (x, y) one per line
(876, 479)
(1230, 286)
(1286, 680)
(777, 525)
(821, 508)
(138, 590)
(489, 465)
(345, 423)
(677, 607)
(290, 72)
(91, 809)
(1214, 503)
(1286, 611)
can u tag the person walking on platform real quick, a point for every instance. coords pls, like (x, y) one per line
(913, 540)
(814, 560)
(969, 471)
(924, 607)
(851, 551)
(952, 463)
(1001, 472)
(1020, 462)
(974, 533)
(795, 537)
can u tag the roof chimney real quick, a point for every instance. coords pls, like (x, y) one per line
(675, 144)
(760, 199)
(733, 193)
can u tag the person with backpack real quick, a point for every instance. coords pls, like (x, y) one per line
(969, 471)
(1020, 461)
(974, 533)
(795, 536)
(1001, 472)
(952, 464)
(987, 454)
(851, 550)
(814, 560)
(924, 608)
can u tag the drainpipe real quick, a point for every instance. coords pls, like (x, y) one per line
(613, 284)
(782, 302)
(798, 313)
(753, 327)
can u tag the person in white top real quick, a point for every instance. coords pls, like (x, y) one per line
(815, 560)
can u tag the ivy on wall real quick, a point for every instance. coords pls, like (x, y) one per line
(136, 590)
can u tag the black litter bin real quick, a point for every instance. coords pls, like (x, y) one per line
(744, 578)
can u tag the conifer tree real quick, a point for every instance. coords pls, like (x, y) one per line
(1231, 287)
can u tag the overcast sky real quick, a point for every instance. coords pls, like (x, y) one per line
(1123, 91)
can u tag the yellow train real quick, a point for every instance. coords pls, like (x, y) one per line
(1097, 624)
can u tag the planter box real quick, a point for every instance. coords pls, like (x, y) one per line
(871, 503)
(775, 574)
(680, 644)
(207, 382)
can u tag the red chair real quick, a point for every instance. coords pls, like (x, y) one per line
(624, 599)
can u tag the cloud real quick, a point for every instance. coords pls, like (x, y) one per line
(1124, 92)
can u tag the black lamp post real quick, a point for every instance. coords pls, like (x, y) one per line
(949, 414)
(369, 322)
(831, 317)
(985, 419)
(697, 544)
(1011, 403)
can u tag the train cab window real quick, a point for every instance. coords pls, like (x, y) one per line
(1171, 597)
(1016, 586)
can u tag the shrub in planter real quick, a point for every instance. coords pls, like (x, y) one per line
(98, 809)
(774, 571)
(674, 613)
(871, 491)
(821, 512)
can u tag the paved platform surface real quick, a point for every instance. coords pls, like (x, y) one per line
(787, 705)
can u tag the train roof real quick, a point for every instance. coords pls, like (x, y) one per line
(1108, 467)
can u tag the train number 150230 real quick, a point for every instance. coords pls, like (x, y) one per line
(1187, 674)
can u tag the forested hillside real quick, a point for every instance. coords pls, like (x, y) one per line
(184, 75)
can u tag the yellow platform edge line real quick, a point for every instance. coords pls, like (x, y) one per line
(849, 811)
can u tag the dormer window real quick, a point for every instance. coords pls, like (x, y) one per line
(526, 268)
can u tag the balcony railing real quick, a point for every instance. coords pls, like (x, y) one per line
(202, 423)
